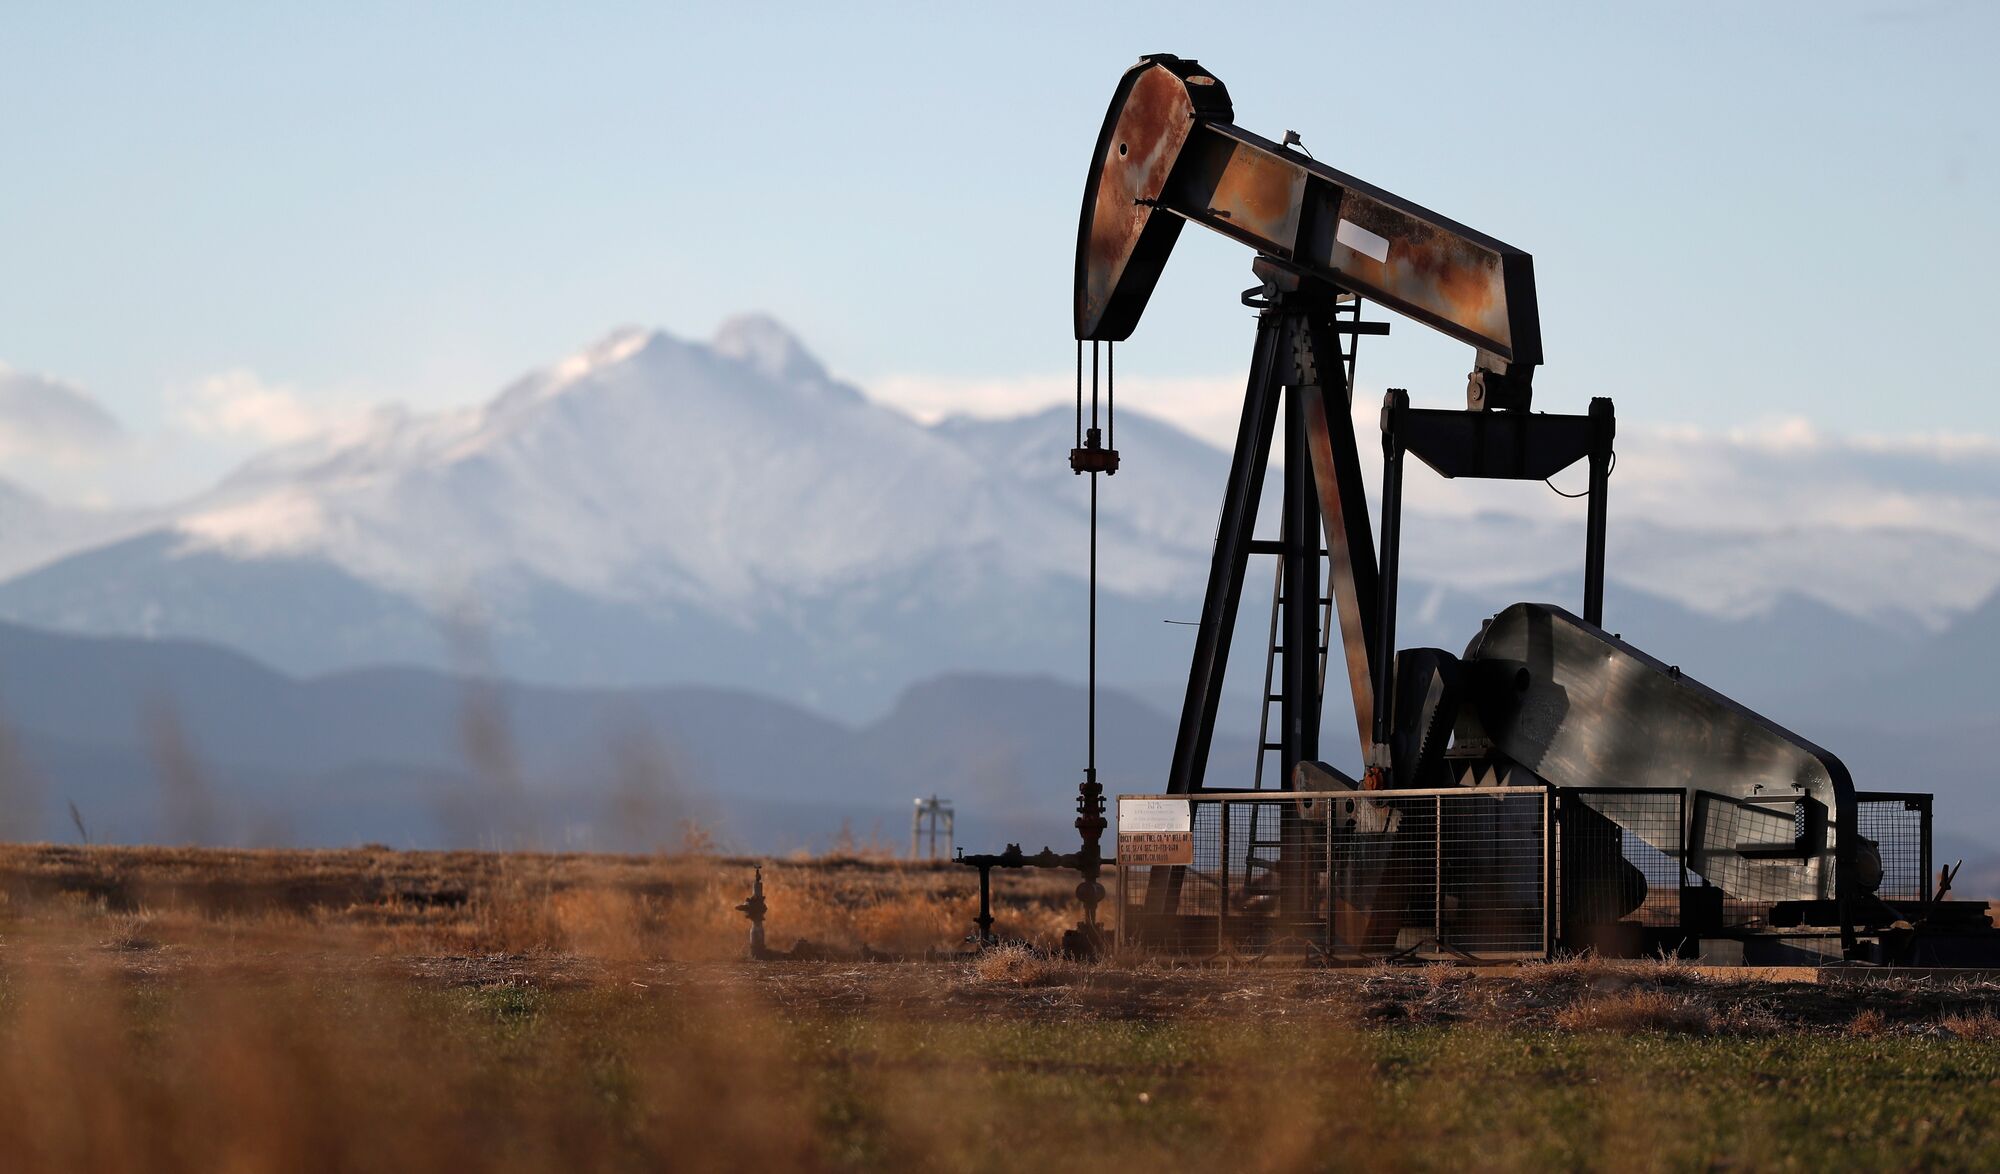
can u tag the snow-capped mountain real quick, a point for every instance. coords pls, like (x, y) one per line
(834, 605)
(651, 510)
(729, 477)
(656, 510)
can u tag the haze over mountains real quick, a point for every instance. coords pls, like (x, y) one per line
(822, 601)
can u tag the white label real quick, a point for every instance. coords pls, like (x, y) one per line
(1154, 815)
(1362, 241)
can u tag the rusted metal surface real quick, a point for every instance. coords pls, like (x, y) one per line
(1442, 276)
(1391, 250)
(1241, 191)
(1168, 152)
(1123, 239)
(1343, 510)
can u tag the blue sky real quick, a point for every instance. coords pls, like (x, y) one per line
(1738, 214)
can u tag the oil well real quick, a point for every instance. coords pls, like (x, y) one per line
(1547, 788)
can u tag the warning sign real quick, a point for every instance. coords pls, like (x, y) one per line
(1155, 831)
(1155, 847)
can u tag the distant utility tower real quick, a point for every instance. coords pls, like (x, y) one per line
(938, 812)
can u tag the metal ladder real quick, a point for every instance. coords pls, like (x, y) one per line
(1274, 648)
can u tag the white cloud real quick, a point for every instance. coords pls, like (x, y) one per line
(48, 419)
(239, 405)
(1764, 474)
(58, 441)
(277, 522)
(1721, 517)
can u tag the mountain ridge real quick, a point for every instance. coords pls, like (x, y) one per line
(655, 510)
(134, 731)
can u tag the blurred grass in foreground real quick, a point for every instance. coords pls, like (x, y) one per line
(183, 1011)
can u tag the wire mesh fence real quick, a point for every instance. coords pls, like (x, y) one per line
(1479, 873)
(1622, 860)
(1760, 852)
(1899, 824)
(1461, 873)
(1457, 873)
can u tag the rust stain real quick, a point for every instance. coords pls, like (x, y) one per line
(1259, 195)
(1152, 126)
(1429, 269)
(1343, 550)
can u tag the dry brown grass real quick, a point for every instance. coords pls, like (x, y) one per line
(1982, 1024)
(1638, 1009)
(1570, 968)
(1590, 968)
(1868, 1023)
(182, 1009)
(612, 907)
(289, 1073)
(1019, 965)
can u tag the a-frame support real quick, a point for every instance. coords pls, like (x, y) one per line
(1295, 367)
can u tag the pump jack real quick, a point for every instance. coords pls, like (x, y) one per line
(1168, 156)
(1540, 696)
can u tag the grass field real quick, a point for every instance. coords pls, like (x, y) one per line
(371, 1010)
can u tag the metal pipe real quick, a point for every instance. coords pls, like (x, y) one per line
(1091, 762)
(1549, 817)
(1299, 707)
(1222, 908)
(1924, 852)
(985, 919)
(1079, 393)
(1090, 768)
(1394, 404)
(1326, 856)
(1602, 432)
(1437, 871)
